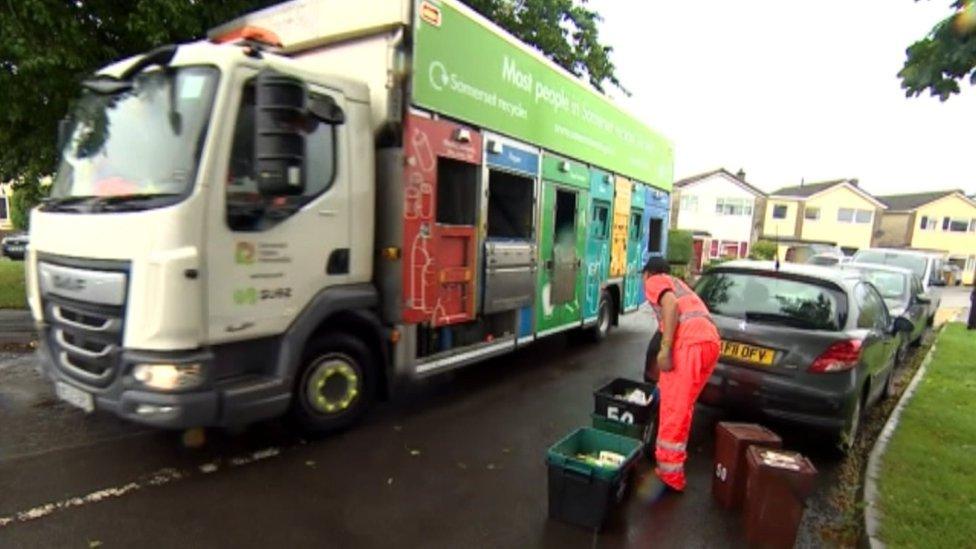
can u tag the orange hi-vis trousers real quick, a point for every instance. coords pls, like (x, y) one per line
(679, 389)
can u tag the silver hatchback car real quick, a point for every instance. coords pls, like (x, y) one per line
(805, 344)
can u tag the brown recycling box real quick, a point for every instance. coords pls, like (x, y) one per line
(776, 490)
(731, 442)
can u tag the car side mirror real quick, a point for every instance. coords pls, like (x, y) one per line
(903, 325)
(924, 299)
(280, 118)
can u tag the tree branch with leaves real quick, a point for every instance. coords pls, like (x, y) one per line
(938, 62)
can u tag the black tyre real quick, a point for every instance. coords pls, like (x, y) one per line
(336, 384)
(901, 356)
(848, 435)
(604, 318)
(889, 387)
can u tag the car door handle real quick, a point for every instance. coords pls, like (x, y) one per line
(328, 213)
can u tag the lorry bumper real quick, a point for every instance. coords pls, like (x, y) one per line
(217, 404)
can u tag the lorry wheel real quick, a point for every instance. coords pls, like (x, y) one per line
(335, 386)
(604, 319)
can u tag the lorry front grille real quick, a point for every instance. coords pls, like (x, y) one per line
(85, 339)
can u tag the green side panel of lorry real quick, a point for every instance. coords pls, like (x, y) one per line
(559, 301)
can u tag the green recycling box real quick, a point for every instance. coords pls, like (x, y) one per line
(581, 492)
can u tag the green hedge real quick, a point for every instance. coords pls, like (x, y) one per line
(764, 250)
(680, 247)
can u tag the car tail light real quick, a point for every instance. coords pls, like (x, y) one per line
(839, 357)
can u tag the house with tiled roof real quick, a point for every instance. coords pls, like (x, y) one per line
(837, 212)
(720, 209)
(938, 220)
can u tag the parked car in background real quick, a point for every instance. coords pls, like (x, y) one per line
(828, 260)
(809, 345)
(951, 274)
(927, 267)
(904, 296)
(14, 245)
(802, 253)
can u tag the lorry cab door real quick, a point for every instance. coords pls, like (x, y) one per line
(442, 179)
(597, 263)
(562, 244)
(635, 249)
(268, 256)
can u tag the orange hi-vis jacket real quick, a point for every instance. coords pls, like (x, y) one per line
(694, 323)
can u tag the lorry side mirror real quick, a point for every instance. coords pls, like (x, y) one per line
(327, 110)
(64, 127)
(280, 119)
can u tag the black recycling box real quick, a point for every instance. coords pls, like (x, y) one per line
(607, 402)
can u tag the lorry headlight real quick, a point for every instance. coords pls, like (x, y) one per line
(169, 377)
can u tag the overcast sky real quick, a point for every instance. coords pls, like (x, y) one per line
(788, 90)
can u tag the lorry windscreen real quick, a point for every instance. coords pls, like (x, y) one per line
(139, 148)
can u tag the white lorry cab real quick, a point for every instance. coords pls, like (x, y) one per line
(320, 202)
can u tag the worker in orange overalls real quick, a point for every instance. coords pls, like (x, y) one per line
(689, 352)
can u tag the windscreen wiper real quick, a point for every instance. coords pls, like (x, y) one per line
(129, 202)
(67, 203)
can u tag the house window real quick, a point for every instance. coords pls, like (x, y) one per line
(972, 225)
(958, 225)
(851, 215)
(744, 249)
(733, 206)
(930, 223)
(3, 207)
(689, 203)
(811, 214)
(779, 211)
(713, 249)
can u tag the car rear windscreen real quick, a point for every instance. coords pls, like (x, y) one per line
(774, 299)
(891, 285)
(915, 263)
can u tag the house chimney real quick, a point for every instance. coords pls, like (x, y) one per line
(741, 174)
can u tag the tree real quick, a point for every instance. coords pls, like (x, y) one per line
(947, 55)
(49, 46)
(563, 30)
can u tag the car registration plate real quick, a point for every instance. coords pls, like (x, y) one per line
(747, 353)
(75, 397)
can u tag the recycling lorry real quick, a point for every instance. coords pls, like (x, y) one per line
(320, 202)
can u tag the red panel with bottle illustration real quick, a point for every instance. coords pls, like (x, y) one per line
(442, 178)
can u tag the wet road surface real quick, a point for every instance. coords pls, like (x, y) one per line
(457, 462)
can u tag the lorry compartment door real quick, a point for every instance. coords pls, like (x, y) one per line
(618, 235)
(442, 182)
(597, 260)
(510, 257)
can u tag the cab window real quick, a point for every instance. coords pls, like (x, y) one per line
(247, 209)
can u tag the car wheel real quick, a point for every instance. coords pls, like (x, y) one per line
(848, 435)
(604, 319)
(901, 355)
(889, 387)
(335, 386)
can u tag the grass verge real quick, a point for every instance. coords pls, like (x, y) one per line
(928, 479)
(12, 292)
